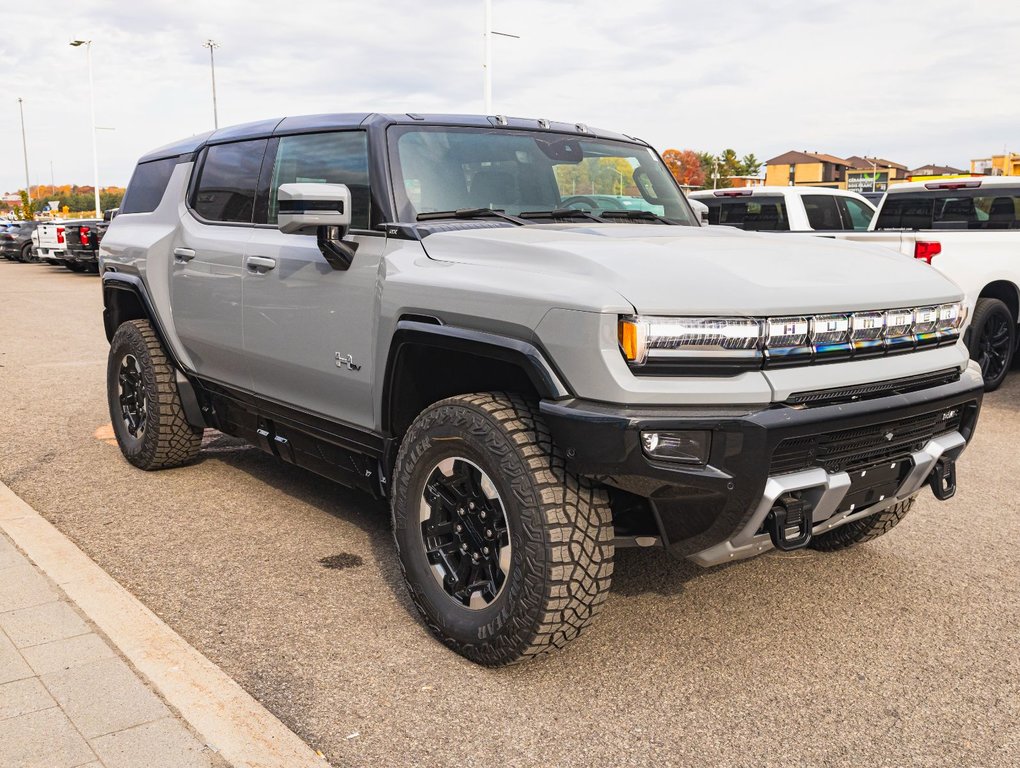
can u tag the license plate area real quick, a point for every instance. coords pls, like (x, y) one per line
(875, 484)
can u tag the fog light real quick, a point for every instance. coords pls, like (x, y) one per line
(689, 447)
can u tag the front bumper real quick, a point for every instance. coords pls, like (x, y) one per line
(714, 513)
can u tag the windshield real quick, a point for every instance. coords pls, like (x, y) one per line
(446, 169)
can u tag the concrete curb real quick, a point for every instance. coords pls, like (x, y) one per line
(241, 730)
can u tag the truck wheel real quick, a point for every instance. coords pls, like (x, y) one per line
(26, 253)
(862, 530)
(992, 340)
(506, 555)
(145, 406)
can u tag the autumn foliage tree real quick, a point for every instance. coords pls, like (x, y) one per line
(685, 165)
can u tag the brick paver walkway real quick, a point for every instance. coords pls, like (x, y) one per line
(67, 699)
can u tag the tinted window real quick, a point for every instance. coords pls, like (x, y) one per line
(147, 185)
(990, 208)
(229, 176)
(856, 215)
(330, 158)
(759, 214)
(822, 212)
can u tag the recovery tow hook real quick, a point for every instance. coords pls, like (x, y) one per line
(789, 524)
(943, 479)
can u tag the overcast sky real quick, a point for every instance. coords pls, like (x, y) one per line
(915, 81)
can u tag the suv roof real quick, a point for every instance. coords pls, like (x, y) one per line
(770, 190)
(326, 122)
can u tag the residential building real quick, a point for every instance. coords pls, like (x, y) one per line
(873, 174)
(812, 169)
(933, 170)
(1007, 164)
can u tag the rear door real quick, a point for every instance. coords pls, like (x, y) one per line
(308, 328)
(205, 280)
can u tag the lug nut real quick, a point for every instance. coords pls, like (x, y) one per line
(488, 533)
(471, 505)
(460, 510)
(474, 556)
(463, 547)
(485, 550)
(482, 514)
(458, 527)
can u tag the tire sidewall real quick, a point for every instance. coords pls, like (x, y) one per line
(129, 341)
(439, 434)
(985, 311)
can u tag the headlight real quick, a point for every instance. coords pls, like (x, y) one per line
(749, 342)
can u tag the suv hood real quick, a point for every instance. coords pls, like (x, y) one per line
(700, 270)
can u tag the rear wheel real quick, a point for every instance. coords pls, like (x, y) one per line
(993, 340)
(506, 555)
(862, 530)
(145, 406)
(26, 253)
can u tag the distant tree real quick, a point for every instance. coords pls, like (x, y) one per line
(27, 209)
(751, 165)
(686, 166)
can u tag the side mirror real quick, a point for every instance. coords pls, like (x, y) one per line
(323, 210)
(306, 206)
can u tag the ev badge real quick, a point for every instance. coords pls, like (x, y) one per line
(889, 436)
(346, 361)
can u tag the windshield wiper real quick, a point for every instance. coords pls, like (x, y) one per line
(637, 216)
(560, 213)
(470, 213)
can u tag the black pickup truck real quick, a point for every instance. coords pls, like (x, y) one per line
(81, 241)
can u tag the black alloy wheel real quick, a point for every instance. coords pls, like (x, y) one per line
(465, 534)
(132, 397)
(993, 340)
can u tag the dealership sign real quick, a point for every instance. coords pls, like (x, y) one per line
(867, 181)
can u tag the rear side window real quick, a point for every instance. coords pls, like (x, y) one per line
(856, 215)
(326, 158)
(147, 185)
(822, 212)
(226, 185)
(757, 214)
(990, 208)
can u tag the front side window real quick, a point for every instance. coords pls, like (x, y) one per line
(445, 169)
(227, 182)
(761, 213)
(331, 158)
(856, 214)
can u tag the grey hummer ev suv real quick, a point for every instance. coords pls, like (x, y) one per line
(517, 333)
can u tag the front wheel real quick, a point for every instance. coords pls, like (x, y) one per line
(506, 555)
(145, 406)
(992, 340)
(865, 529)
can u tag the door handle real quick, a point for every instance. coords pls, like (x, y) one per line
(183, 255)
(260, 263)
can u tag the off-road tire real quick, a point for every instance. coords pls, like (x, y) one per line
(168, 440)
(988, 312)
(560, 529)
(865, 529)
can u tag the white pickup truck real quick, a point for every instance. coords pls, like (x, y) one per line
(968, 229)
(49, 242)
(787, 209)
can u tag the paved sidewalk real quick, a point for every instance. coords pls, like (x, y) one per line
(66, 698)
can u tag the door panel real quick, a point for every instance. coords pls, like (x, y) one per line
(300, 315)
(205, 293)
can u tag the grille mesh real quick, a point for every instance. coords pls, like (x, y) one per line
(852, 449)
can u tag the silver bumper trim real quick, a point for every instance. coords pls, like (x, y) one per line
(825, 492)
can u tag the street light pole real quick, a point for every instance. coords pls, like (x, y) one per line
(487, 56)
(92, 107)
(211, 44)
(24, 149)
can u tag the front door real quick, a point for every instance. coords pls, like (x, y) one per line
(308, 328)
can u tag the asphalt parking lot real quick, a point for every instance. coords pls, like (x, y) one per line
(901, 652)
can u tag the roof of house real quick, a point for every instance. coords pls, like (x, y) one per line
(936, 170)
(868, 163)
(793, 157)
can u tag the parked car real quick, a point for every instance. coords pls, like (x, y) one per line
(81, 242)
(873, 197)
(529, 387)
(48, 239)
(969, 230)
(16, 240)
(787, 209)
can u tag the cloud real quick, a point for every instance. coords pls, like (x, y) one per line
(909, 81)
